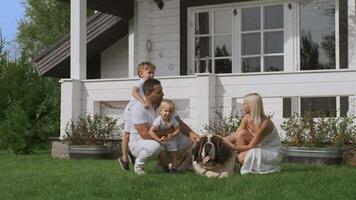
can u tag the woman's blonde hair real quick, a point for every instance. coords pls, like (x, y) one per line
(167, 103)
(145, 66)
(254, 101)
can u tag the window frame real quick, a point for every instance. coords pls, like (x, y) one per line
(291, 29)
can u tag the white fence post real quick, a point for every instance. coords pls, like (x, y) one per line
(206, 90)
(70, 102)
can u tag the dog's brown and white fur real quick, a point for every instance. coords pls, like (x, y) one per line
(212, 157)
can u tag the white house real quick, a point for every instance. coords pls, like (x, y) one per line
(298, 54)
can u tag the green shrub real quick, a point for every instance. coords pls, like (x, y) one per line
(223, 125)
(90, 130)
(319, 132)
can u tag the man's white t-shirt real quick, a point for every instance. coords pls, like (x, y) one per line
(140, 115)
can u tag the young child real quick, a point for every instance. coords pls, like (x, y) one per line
(160, 125)
(145, 70)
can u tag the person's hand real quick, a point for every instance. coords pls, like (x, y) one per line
(146, 105)
(195, 137)
(169, 136)
(162, 140)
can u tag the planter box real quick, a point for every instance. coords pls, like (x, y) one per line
(79, 152)
(62, 150)
(313, 155)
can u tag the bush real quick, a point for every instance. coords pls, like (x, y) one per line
(223, 125)
(94, 130)
(319, 132)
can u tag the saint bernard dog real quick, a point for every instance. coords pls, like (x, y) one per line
(212, 157)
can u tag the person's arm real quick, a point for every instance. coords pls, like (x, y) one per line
(177, 130)
(140, 120)
(143, 130)
(267, 127)
(136, 95)
(154, 136)
(186, 130)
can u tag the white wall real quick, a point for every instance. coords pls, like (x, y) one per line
(162, 28)
(114, 60)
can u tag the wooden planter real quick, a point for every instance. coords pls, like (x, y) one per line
(313, 155)
(94, 151)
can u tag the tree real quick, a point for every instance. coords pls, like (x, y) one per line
(29, 103)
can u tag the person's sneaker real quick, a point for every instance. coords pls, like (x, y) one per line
(124, 164)
(139, 169)
(131, 157)
(166, 170)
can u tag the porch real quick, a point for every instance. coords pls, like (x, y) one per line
(198, 96)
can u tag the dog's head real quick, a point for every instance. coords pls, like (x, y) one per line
(211, 150)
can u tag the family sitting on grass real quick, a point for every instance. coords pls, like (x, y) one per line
(153, 128)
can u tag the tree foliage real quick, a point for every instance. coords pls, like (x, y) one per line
(29, 103)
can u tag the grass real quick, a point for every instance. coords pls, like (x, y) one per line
(41, 177)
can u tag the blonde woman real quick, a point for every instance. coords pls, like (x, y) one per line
(256, 140)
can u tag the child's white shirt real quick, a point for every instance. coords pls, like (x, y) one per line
(159, 124)
(133, 100)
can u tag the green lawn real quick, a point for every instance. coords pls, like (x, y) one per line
(41, 177)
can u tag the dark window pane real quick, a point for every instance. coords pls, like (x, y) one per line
(344, 106)
(287, 107)
(200, 67)
(251, 44)
(202, 47)
(343, 34)
(274, 42)
(202, 23)
(320, 106)
(250, 19)
(223, 66)
(251, 64)
(273, 63)
(273, 17)
(317, 42)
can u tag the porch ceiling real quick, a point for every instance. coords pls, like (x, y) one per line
(121, 8)
(102, 31)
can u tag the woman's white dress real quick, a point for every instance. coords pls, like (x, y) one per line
(266, 157)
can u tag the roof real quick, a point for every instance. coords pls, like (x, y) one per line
(102, 31)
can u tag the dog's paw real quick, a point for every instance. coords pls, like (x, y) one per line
(224, 175)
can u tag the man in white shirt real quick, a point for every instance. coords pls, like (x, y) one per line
(141, 144)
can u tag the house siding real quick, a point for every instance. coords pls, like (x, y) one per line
(162, 28)
(114, 60)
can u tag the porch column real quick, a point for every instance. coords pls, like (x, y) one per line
(70, 102)
(78, 39)
(132, 69)
(71, 88)
(206, 94)
(352, 33)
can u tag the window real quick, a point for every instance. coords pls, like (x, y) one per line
(213, 41)
(320, 106)
(251, 37)
(262, 39)
(317, 34)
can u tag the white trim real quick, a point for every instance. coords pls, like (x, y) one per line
(337, 37)
(131, 48)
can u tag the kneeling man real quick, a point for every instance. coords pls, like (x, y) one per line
(141, 145)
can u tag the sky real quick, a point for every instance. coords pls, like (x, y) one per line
(11, 11)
